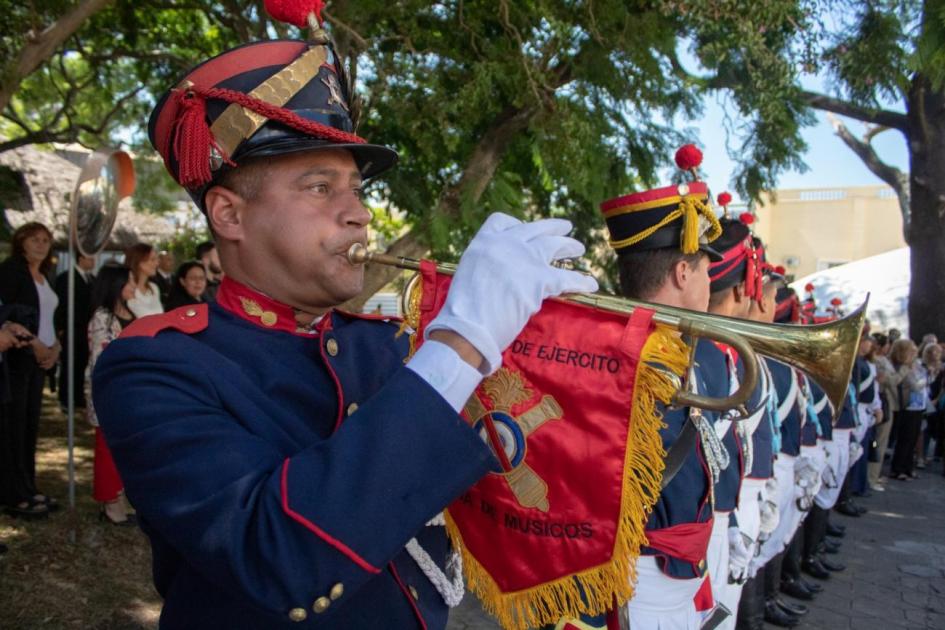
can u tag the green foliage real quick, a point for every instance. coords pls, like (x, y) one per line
(185, 242)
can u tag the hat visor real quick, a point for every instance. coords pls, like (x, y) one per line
(372, 159)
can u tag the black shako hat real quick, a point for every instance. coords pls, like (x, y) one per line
(265, 98)
(678, 217)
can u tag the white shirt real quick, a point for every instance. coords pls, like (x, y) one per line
(143, 304)
(48, 300)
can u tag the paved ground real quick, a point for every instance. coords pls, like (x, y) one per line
(895, 557)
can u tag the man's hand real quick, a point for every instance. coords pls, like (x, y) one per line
(501, 281)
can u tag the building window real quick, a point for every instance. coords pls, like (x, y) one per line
(822, 195)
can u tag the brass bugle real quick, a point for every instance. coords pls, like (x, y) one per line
(686, 322)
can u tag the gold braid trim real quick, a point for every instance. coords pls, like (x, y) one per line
(691, 207)
(595, 590)
(412, 316)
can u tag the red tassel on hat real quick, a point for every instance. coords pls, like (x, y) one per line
(747, 218)
(836, 301)
(809, 287)
(780, 270)
(295, 11)
(193, 140)
(724, 199)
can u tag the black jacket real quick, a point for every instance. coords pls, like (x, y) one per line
(18, 290)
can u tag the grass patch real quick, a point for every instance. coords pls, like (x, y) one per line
(102, 581)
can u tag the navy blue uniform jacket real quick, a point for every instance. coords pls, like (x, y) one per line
(275, 472)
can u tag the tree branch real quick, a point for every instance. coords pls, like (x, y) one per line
(40, 47)
(882, 117)
(478, 172)
(896, 179)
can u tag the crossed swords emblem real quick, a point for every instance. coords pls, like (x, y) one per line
(507, 435)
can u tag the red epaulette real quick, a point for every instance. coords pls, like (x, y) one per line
(187, 319)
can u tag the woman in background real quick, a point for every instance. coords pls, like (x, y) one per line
(190, 283)
(111, 292)
(142, 260)
(24, 286)
(913, 400)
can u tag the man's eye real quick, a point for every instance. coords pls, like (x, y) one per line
(359, 193)
(321, 189)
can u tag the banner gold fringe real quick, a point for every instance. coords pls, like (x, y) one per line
(594, 590)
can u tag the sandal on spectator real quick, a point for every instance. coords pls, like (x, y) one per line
(30, 510)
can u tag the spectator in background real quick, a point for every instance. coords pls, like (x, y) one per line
(932, 362)
(142, 260)
(82, 270)
(112, 291)
(190, 283)
(24, 285)
(164, 278)
(12, 335)
(207, 254)
(888, 379)
(913, 400)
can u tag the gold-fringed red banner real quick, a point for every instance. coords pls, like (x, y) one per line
(555, 529)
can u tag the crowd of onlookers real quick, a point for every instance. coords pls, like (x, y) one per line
(35, 336)
(911, 408)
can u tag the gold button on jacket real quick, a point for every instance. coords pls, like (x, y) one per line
(298, 614)
(331, 346)
(321, 605)
(337, 591)
(414, 592)
(352, 408)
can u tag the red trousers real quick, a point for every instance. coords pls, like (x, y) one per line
(106, 484)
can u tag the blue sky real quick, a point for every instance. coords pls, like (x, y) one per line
(830, 162)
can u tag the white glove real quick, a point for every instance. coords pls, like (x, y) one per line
(770, 517)
(856, 450)
(740, 553)
(806, 482)
(502, 279)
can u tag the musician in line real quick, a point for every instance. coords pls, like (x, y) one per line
(670, 266)
(729, 296)
(279, 452)
(758, 487)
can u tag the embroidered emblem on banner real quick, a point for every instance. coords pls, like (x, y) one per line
(507, 434)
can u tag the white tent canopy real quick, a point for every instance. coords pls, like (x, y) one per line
(885, 277)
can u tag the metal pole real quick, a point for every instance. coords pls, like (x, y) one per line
(70, 380)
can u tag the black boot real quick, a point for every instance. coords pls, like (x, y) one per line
(837, 531)
(777, 617)
(798, 610)
(812, 567)
(796, 589)
(751, 607)
(847, 508)
(813, 587)
(831, 566)
(828, 546)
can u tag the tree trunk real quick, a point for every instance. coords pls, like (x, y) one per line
(40, 47)
(926, 113)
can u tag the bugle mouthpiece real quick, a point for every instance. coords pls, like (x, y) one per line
(358, 254)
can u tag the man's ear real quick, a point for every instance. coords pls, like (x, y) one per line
(225, 210)
(682, 273)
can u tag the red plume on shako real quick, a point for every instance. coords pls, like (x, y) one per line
(747, 218)
(688, 158)
(295, 12)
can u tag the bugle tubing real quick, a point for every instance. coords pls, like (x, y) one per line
(686, 322)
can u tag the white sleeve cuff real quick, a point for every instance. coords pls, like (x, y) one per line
(443, 369)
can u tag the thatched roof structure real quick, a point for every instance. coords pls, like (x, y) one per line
(37, 185)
